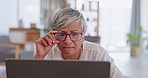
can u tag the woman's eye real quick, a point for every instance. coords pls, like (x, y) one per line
(74, 34)
(61, 34)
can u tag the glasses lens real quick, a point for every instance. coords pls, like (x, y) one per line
(60, 36)
(75, 36)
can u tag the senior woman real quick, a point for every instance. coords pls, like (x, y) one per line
(66, 41)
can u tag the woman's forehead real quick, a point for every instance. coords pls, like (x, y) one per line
(72, 26)
(69, 31)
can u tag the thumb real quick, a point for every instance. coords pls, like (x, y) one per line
(55, 42)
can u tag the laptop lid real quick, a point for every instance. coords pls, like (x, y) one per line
(56, 69)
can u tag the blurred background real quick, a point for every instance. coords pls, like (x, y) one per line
(120, 26)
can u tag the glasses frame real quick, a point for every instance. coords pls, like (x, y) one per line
(69, 36)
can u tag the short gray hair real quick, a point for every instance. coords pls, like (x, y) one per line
(65, 16)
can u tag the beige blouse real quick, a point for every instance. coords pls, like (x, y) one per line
(91, 52)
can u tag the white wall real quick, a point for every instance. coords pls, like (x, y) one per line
(8, 13)
(144, 23)
(144, 14)
(29, 11)
(114, 22)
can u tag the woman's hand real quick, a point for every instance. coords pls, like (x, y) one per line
(44, 44)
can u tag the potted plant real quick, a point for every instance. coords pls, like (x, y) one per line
(134, 40)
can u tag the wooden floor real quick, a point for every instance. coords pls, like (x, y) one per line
(2, 64)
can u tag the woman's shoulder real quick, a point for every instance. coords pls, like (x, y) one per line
(91, 46)
(92, 51)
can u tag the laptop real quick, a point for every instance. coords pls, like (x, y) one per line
(27, 68)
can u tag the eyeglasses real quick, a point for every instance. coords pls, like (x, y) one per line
(73, 36)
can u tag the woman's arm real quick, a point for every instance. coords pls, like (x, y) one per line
(44, 44)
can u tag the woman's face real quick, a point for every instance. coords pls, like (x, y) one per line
(71, 44)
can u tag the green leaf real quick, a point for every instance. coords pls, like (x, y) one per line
(147, 46)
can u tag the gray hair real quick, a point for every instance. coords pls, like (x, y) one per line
(65, 16)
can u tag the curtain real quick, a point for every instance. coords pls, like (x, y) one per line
(135, 19)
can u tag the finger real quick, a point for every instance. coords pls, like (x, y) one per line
(48, 40)
(38, 41)
(55, 42)
(52, 32)
(51, 35)
(44, 42)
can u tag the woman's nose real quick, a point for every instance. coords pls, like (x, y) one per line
(68, 39)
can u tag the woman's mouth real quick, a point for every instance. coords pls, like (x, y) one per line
(68, 48)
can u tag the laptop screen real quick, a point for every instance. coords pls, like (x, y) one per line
(56, 69)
